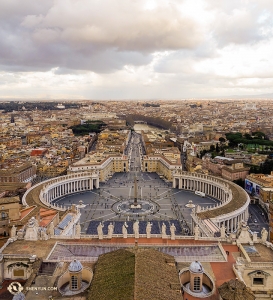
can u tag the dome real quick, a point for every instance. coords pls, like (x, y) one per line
(196, 267)
(75, 266)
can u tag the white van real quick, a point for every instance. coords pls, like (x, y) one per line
(200, 194)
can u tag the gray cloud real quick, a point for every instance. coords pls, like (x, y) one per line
(100, 36)
(241, 22)
(241, 27)
(181, 53)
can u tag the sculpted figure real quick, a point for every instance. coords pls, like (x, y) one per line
(196, 232)
(13, 232)
(264, 234)
(51, 229)
(32, 230)
(78, 230)
(148, 230)
(43, 234)
(20, 234)
(136, 229)
(223, 231)
(172, 229)
(163, 229)
(110, 230)
(124, 230)
(100, 232)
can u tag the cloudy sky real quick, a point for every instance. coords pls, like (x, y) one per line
(135, 49)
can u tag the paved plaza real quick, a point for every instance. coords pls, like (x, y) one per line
(168, 204)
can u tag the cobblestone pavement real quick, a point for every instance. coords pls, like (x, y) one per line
(99, 202)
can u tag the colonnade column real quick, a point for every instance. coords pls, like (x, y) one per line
(180, 183)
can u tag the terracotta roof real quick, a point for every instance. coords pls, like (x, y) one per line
(46, 216)
(26, 211)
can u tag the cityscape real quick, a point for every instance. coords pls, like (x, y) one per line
(136, 150)
(184, 182)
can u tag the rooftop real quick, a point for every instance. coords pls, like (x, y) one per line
(239, 198)
(265, 254)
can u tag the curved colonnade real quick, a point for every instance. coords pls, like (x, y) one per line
(232, 209)
(234, 200)
(55, 188)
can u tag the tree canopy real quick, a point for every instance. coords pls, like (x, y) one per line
(256, 138)
(89, 126)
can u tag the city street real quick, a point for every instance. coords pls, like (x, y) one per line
(257, 218)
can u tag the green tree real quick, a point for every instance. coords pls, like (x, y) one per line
(267, 166)
(240, 182)
(247, 136)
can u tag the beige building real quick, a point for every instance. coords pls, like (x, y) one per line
(256, 270)
(234, 170)
(17, 173)
(163, 162)
(105, 164)
(10, 211)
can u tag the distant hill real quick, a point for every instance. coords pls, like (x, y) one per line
(260, 96)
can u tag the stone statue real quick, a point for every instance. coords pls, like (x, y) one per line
(20, 234)
(78, 231)
(148, 230)
(13, 232)
(172, 229)
(255, 237)
(196, 232)
(163, 229)
(239, 226)
(110, 230)
(264, 234)
(43, 234)
(51, 229)
(136, 229)
(32, 231)
(244, 236)
(124, 230)
(100, 232)
(223, 231)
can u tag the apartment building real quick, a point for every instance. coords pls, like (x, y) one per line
(19, 172)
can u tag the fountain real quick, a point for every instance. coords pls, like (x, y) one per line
(190, 204)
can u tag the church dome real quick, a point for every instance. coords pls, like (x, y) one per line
(196, 267)
(75, 266)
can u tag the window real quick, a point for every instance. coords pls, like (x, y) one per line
(19, 272)
(257, 280)
(74, 282)
(196, 284)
